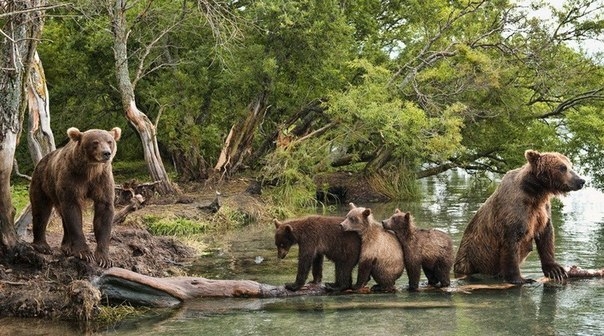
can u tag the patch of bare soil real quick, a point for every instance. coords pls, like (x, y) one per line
(57, 286)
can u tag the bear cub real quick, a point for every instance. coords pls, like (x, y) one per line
(430, 250)
(67, 177)
(318, 237)
(381, 253)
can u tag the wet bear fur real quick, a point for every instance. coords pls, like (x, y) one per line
(381, 253)
(430, 250)
(501, 234)
(318, 237)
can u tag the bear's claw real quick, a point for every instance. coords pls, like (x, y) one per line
(42, 247)
(103, 260)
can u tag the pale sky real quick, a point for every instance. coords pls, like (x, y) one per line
(592, 47)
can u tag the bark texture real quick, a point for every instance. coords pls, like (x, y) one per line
(238, 144)
(140, 121)
(40, 138)
(21, 30)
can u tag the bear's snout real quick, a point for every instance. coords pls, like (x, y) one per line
(580, 183)
(106, 155)
(281, 253)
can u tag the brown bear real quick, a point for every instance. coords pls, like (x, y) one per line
(381, 253)
(319, 236)
(64, 179)
(430, 250)
(500, 235)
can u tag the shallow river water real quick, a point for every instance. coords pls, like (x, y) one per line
(574, 308)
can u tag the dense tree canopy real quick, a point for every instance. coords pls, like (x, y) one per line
(376, 86)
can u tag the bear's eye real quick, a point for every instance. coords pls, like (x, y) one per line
(563, 168)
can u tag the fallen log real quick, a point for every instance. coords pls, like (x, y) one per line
(120, 285)
(136, 202)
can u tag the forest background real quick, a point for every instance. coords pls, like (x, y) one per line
(286, 90)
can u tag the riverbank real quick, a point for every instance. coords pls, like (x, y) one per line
(59, 287)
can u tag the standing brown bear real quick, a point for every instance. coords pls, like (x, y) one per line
(319, 236)
(501, 233)
(430, 250)
(64, 179)
(381, 253)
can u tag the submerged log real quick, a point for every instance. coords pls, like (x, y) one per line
(120, 285)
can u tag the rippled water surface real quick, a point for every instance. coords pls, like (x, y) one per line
(575, 308)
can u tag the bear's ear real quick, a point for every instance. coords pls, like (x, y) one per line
(532, 156)
(397, 211)
(289, 230)
(277, 223)
(366, 212)
(408, 216)
(74, 134)
(117, 133)
(351, 205)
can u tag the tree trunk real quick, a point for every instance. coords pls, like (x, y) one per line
(189, 164)
(40, 139)
(137, 118)
(309, 113)
(238, 143)
(382, 156)
(21, 31)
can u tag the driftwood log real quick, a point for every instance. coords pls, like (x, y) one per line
(136, 202)
(119, 285)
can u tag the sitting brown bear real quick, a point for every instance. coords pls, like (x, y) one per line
(381, 253)
(500, 235)
(64, 179)
(319, 236)
(430, 250)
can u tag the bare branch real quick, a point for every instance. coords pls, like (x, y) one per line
(425, 57)
(17, 172)
(592, 95)
(32, 9)
(140, 71)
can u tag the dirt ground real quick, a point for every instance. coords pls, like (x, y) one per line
(56, 286)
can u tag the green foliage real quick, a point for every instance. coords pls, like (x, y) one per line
(124, 171)
(586, 141)
(370, 116)
(292, 171)
(173, 227)
(430, 83)
(20, 196)
(397, 184)
(226, 218)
